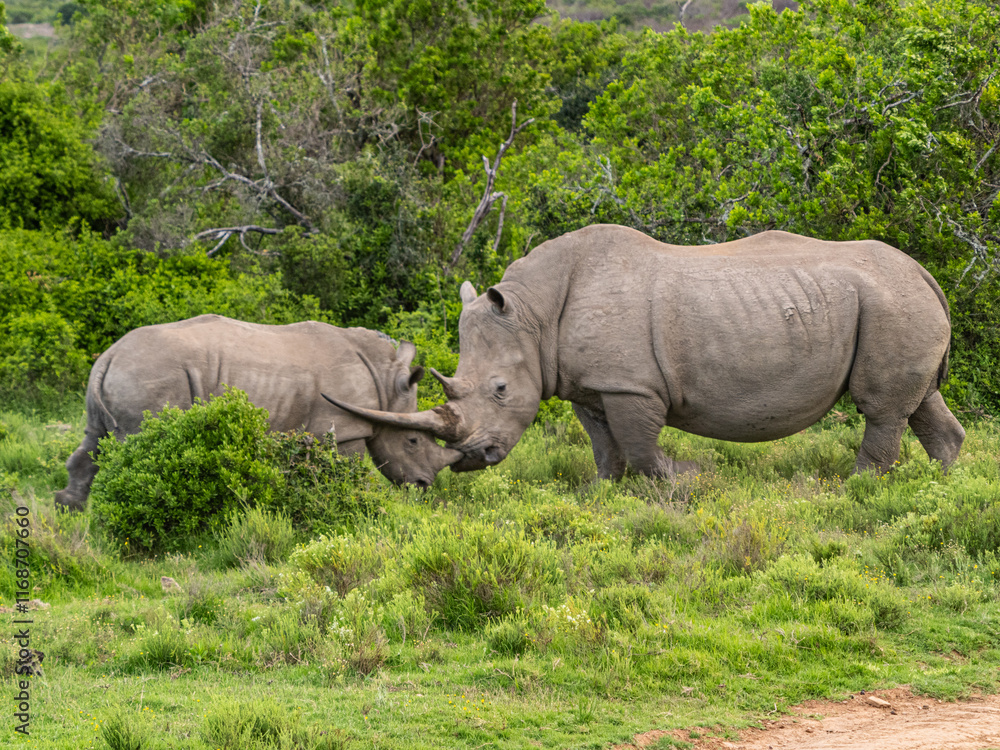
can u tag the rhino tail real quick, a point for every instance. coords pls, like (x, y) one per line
(97, 412)
(936, 288)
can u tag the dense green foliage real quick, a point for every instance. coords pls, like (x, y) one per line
(188, 472)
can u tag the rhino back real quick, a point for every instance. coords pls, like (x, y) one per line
(281, 368)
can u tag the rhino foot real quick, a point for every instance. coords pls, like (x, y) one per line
(71, 501)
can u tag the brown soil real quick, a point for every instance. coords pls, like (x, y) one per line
(908, 722)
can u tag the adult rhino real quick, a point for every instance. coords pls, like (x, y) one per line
(749, 340)
(283, 369)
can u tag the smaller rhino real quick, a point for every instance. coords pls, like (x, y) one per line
(284, 369)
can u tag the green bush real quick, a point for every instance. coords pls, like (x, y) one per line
(181, 475)
(342, 562)
(38, 353)
(475, 572)
(255, 534)
(841, 583)
(509, 636)
(622, 605)
(59, 560)
(187, 473)
(263, 725)
(323, 492)
(125, 730)
(48, 171)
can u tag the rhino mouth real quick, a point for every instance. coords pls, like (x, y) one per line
(479, 456)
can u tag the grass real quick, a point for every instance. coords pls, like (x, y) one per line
(524, 605)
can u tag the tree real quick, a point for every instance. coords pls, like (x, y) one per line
(49, 174)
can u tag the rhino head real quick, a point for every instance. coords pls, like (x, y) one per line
(497, 387)
(403, 455)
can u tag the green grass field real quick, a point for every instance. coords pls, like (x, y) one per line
(523, 606)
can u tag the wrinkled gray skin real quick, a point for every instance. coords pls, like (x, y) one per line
(749, 340)
(283, 369)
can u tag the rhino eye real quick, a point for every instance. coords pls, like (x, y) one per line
(501, 387)
(413, 440)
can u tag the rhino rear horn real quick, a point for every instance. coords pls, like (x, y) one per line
(453, 387)
(441, 421)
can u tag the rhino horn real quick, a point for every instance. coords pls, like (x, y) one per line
(453, 387)
(441, 421)
(467, 292)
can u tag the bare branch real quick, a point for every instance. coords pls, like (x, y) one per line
(878, 175)
(972, 98)
(224, 233)
(986, 155)
(486, 202)
(260, 148)
(503, 210)
(980, 251)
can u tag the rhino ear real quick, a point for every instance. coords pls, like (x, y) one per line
(497, 299)
(406, 352)
(407, 380)
(467, 292)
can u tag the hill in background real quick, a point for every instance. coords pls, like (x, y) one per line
(661, 15)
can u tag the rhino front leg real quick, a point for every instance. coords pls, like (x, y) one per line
(82, 469)
(938, 430)
(635, 423)
(607, 455)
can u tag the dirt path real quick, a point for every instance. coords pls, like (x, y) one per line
(906, 722)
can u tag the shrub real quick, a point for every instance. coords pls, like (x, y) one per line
(342, 562)
(187, 473)
(183, 473)
(58, 560)
(48, 172)
(263, 725)
(473, 572)
(561, 521)
(570, 626)
(368, 651)
(255, 534)
(323, 492)
(623, 605)
(958, 597)
(201, 603)
(125, 730)
(964, 512)
(509, 637)
(837, 581)
(38, 354)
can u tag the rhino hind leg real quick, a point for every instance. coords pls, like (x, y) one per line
(82, 469)
(635, 423)
(938, 430)
(880, 445)
(610, 461)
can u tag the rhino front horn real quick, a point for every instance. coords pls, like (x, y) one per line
(441, 421)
